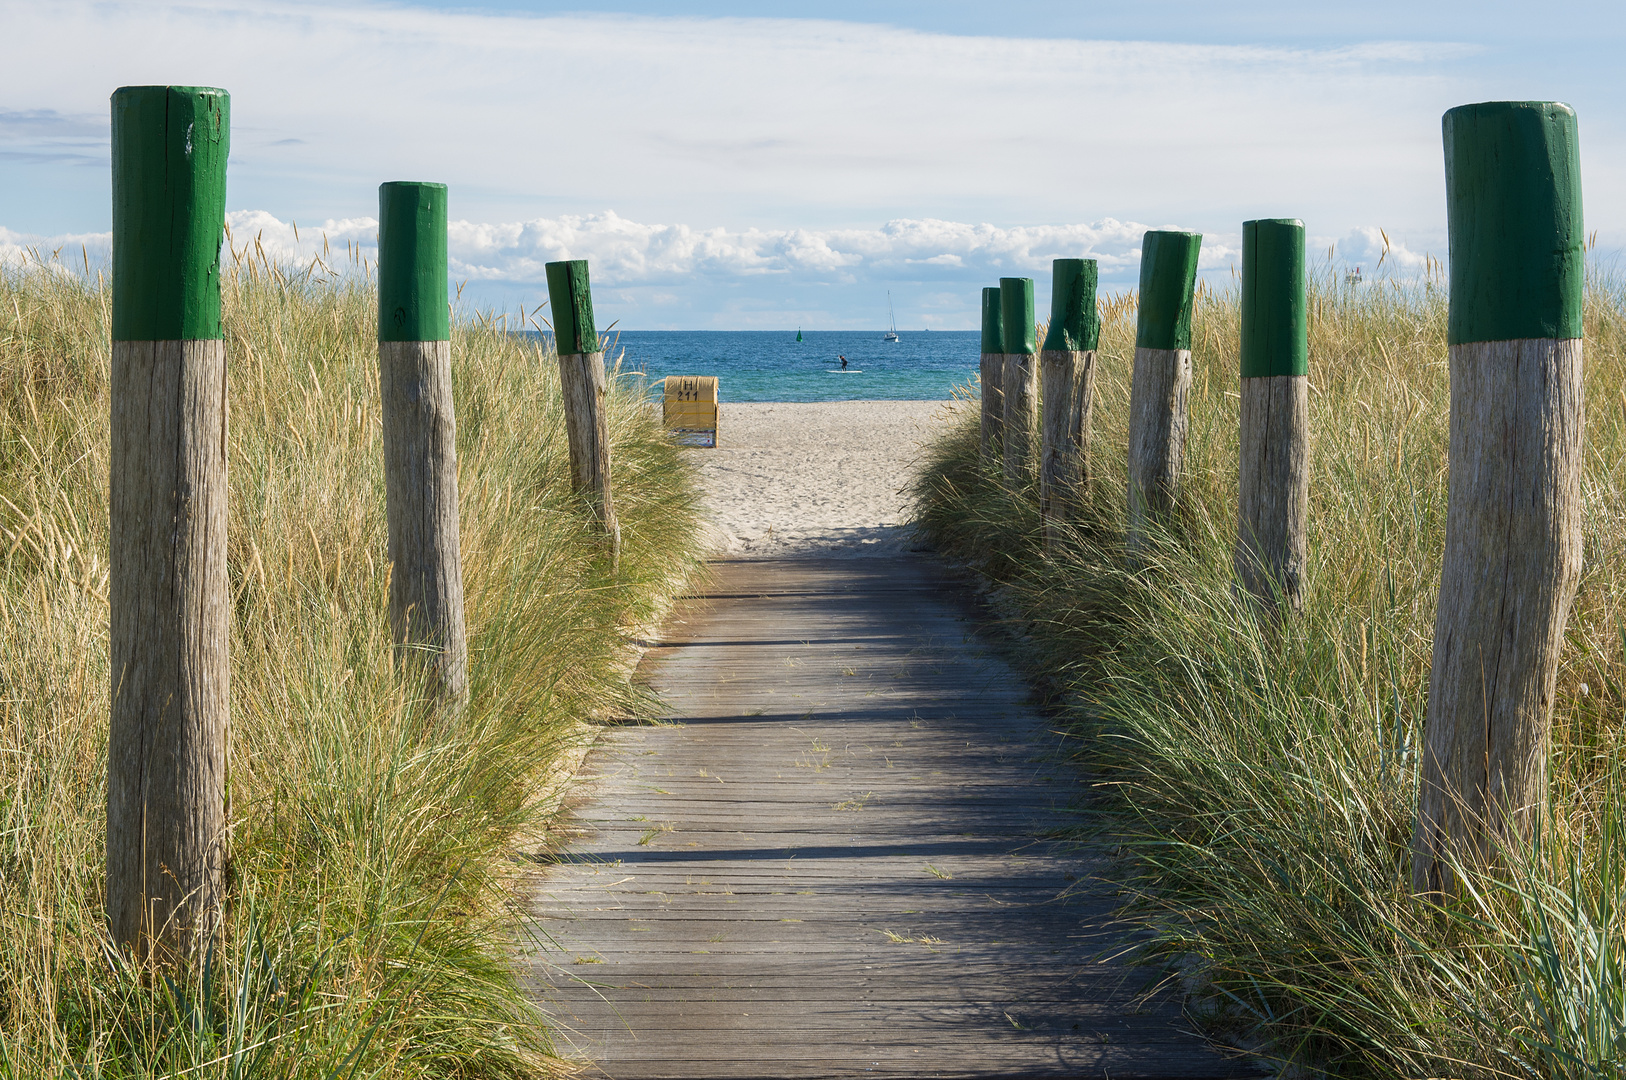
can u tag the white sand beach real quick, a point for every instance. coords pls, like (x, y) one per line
(815, 478)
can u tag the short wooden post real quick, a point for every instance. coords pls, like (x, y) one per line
(581, 374)
(1067, 366)
(1020, 381)
(1159, 413)
(420, 434)
(992, 377)
(1513, 518)
(1274, 492)
(169, 606)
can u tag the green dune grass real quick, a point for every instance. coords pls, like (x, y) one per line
(1263, 784)
(372, 860)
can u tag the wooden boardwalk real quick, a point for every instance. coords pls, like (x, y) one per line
(832, 862)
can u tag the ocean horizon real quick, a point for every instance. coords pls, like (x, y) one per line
(771, 365)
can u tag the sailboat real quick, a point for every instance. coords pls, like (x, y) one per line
(892, 334)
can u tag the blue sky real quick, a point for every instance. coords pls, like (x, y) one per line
(736, 165)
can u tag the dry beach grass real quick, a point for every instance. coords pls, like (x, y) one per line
(369, 874)
(1264, 785)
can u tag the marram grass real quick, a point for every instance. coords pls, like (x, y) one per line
(1264, 783)
(371, 867)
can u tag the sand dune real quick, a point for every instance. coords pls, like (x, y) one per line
(817, 478)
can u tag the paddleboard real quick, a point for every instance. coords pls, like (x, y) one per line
(844, 371)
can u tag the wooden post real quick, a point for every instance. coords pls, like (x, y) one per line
(420, 434)
(169, 606)
(1067, 365)
(1513, 518)
(1159, 413)
(581, 374)
(992, 378)
(1274, 492)
(1020, 380)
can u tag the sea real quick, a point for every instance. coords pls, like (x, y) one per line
(771, 365)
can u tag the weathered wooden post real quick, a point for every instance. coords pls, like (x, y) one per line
(581, 374)
(1161, 384)
(1274, 493)
(1020, 381)
(1067, 365)
(993, 377)
(1513, 518)
(420, 433)
(169, 607)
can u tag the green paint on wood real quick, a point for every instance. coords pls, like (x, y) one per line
(412, 301)
(571, 299)
(1513, 207)
(1168, 272)
(169, 211)
(1018, 333)
(993, 337)
(1075, 322)
(1275, 330)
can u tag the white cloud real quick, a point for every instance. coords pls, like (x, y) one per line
(658, 275)
(626, 253)
(629, 253)
(66, 253)
(1374, 251)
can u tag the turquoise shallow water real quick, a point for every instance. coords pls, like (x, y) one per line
(770, 365)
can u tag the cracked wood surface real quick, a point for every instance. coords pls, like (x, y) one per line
(834, 862)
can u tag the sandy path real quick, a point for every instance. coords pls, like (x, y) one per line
(815, 478)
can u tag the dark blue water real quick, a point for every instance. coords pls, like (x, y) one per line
(770, 365)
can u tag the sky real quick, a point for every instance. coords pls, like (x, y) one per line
(725, 165)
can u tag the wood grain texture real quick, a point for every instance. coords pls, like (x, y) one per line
(587, 427)
(1068, 391)
(992, 379)
(421, 503)
(1512, 560)
(169, 616)
(1159, 416)
(833, 860)
(1273, 496)
(1019, 385)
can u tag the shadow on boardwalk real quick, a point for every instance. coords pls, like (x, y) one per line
(833, 862)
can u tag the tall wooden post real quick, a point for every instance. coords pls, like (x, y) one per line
(992, 378)
(1020, 381)
(581, 374)
(1513, 518)
(1067, 366)
(1274, 492)
(420, 433)
(169, 606)
(1159, 413)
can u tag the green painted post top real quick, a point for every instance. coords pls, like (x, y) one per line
(571, 298)
(169, 211)
(1275, 326)
(1513, 210)
(412, 302)
(1168, 272)
(993, 337)
(1075, 322)
(1018, 334)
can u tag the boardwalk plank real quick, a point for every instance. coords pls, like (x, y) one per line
(834, 860)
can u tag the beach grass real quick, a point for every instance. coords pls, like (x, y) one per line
(1262, 783)
(375, 843)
